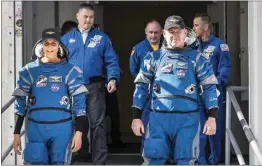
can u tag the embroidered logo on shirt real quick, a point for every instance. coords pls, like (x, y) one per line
(181, 73)
(64, 100)
(41, 81)
(224, 47)
(167, 68)
(94, 41)
(208, 51)
(55, 87)
(72, 40)
(55, 78)
(190, 89)
(97, 38)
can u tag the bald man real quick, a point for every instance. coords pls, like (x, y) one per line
(151, 43)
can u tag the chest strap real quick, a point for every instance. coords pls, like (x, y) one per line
(175, 96)
(53, 109)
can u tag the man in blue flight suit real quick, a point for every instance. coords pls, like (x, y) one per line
(174, 73)
(152, 42)
(91, 50)
(49, 82)
(218, 53)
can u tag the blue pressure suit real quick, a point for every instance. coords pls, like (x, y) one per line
(44, 93)
(138, 53)
(217, 51)
(173, 127)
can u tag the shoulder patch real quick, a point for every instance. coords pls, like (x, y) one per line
(78, 69)
(224, 47)
(132, 52)
(205, 55)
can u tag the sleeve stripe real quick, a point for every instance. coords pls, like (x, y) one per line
(30, 75)
(71, 82)
(209, 80)
(79, 90)
(25, 80)
(197, 58)
(75, 86)
(67, 76)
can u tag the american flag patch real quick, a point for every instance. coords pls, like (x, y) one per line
(224, 47)
(132, 52)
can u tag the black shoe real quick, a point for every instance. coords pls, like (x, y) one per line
(170, 162)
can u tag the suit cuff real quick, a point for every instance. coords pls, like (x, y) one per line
(81, 123)
(19, 124)
(212, 113)
(137, 113)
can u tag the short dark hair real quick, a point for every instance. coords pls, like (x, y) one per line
(67, 26)
(86, 6)
(205, 18)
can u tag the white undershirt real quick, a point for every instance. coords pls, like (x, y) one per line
(84, 33)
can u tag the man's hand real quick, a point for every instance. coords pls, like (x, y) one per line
(17, 144)
(138, 127)
(210, 126)
(77, 141)
(111, 87)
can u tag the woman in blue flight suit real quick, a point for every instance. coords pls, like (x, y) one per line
(43, 93)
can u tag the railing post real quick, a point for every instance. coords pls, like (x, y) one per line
(239, 155)
(228, 126)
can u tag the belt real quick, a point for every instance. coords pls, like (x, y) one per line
(176, 96)
(96, 79)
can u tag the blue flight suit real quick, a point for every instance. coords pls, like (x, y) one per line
(49, 88)
(138, 53)
(96, 58)
(92, 56)
(218, 52)
(173, 127)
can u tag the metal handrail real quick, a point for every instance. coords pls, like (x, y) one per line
(236, 148)
(9, 149)
(251, 139)
(7, 105)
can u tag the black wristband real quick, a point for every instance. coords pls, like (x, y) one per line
(81, 123)
(212, 112)
(137, 113)
(19, 124)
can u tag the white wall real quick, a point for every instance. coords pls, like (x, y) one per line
(255, 68)
(11, 62)
(8, 77)
(217, 12)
